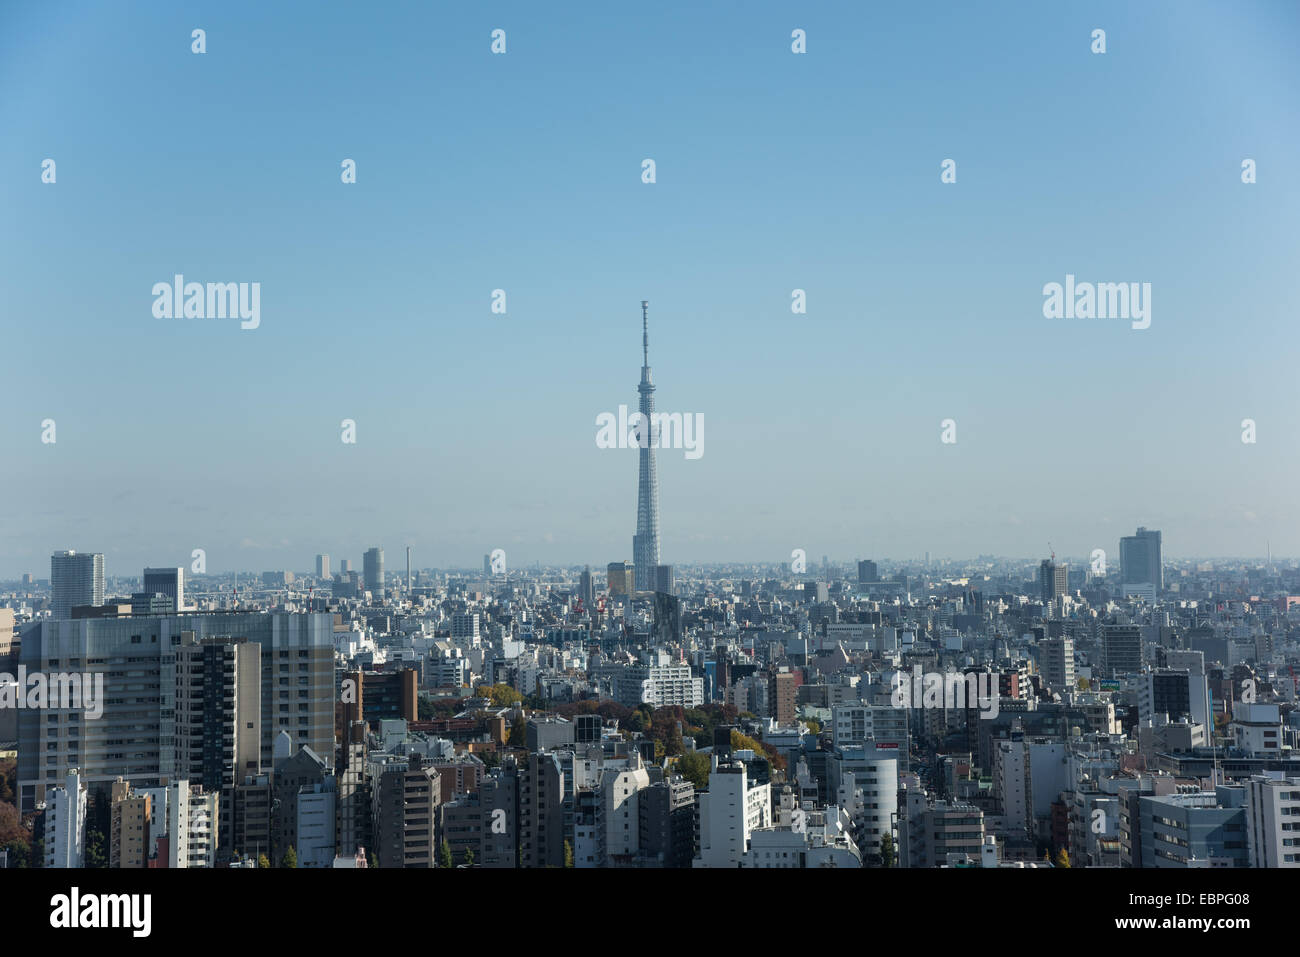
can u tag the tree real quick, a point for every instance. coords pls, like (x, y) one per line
(568, 854)
(743, 742)
(518, 733)
(263, 862)
(814, 725)
(371, 860)
(1062, 858)
(290, 858)
(444, 854)
(501, 695)
(887, 851)
(694, 767)
(469, 856)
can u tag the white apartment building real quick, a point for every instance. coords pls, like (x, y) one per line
(65, 823)
(734, 807)
(1273, 820)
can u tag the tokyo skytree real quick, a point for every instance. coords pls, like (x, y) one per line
(645, 543)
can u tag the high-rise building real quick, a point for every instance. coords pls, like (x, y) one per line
(322, 566)
(664, 581)
(373, 571)
(1053, 580)
(1056, 663)
(405, 794)
(867, 572)
(621, 578)
(1122, 649)
(1140, 561)
(345, 566)
(586, 591)
(65, 823)
(736, 804)
(166, 581)
(135, 739)
(218, 729)
(75, 579)
(645, 543)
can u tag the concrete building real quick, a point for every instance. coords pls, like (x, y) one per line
(735, 806)
(65, 823)
(75, 579)
(135, 739)
(1056, 663)
(1194, 829)
(129, 839)
(406, 793)
(1122, 649)
(218, 708)
(1273, 820)
(169, 582)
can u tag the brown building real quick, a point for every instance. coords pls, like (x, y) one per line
(374, 696)
(783, 695)
(129, 828)
(621, 578)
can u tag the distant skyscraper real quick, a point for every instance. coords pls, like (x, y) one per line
(664, 581)
(345, 566)
(645, 543)
(621, 578)
(1140, 561)
(585, 590)
(1053, 580)
(487, 566)
(373, 570)
(75, 579)
(322, 566)
(867, 572)
(166, 581)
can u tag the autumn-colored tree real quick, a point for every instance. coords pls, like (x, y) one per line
(743, 742)
(1062, 858)
(290, 858)
(568, 854)
(469, 856)
(501, 695)
(444, 854)
(263, 862)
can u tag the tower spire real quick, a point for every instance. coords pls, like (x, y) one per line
(645, 331)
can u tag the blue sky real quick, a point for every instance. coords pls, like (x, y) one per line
(521, 171)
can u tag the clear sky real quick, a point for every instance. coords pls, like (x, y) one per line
(522, 172)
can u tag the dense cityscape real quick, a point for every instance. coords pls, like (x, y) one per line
(324, 548)
(736, 716)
